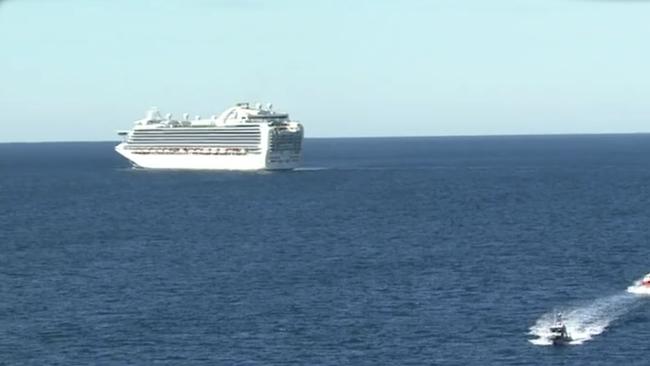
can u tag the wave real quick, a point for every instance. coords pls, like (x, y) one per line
(639, 289)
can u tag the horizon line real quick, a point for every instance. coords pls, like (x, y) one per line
(552, 134)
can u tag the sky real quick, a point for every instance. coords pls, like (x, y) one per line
(78, 70)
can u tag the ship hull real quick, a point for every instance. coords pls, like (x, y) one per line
(244, 162)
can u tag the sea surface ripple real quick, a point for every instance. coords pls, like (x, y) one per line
(396, 251)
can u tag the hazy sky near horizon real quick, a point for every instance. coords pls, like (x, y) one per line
(81, 69)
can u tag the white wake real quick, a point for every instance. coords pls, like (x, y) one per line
(587, 321)
(639, 289)
(310, 169)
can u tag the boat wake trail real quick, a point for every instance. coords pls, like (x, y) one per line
(641, 286)
(639, 290)
(310, 169)
(587, 321)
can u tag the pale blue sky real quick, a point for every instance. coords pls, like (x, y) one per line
(81, 69)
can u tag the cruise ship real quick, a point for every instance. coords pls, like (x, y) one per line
(244, 137)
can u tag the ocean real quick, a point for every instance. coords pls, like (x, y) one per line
(378, 251)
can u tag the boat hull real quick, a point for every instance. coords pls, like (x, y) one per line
(561, 341)
(245, 162)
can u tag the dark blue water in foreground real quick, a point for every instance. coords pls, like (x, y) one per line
(418, 251)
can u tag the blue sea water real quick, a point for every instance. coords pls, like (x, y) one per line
(404, 251)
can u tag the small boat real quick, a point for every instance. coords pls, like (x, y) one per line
(645, 282)
(559, 335)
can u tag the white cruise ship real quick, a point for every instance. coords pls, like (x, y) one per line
(244, 137)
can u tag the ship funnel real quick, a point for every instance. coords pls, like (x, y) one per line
(153, 114)
(269, 106)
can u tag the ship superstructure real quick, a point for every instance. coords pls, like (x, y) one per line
(244, 137)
